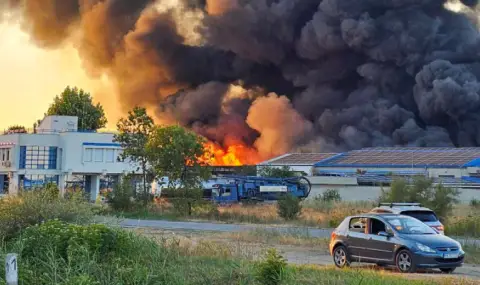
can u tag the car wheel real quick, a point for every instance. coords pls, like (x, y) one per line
(340, 257)
(404, 261)
(447, 270)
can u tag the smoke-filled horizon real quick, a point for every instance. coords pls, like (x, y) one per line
(282, 75)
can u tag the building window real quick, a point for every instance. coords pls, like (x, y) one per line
(110, 154)
(37, 181)
(38, 157)
(4, 154)
(88, 155)
(98, 154)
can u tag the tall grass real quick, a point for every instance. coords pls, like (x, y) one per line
(314, 213)
(70, 255)
(34, 207)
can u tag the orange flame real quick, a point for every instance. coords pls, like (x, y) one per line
(234, 154)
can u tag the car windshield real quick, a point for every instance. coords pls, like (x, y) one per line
(409, 225)
(424, 216)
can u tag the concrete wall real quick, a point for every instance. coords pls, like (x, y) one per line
(370, 193)
(305, 168)
(75, 154)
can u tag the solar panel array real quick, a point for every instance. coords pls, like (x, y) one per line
(405, 156)
(300, 158)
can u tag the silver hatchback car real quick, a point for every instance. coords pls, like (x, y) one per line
(414, 210)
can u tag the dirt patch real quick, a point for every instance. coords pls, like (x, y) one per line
(303, 251)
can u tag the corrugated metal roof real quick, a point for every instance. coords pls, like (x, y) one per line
(406, 157)
(298, 159)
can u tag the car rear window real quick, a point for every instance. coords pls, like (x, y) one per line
(424, 216)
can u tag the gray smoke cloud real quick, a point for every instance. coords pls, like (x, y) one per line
(348, 73)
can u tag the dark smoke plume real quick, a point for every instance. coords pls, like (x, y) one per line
(283, 74)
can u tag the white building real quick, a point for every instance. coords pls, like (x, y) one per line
(57, 152)
(302, 163)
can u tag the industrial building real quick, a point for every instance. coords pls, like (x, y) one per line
(301, 163)
(361, 174)
(56, 151)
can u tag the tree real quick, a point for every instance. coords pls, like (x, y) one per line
(77, 102)
(133, 135)
(422, 190)
(176, 152)
(16, 129)
(282, 172)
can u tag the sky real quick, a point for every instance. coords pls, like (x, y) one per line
(30, 78)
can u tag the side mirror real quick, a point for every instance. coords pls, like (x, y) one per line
(384, 234)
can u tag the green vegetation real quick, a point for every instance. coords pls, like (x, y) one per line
(289, 207)
(34, 207)
(463, 226)
(270, 171)
(439, 198)
(54, 249)
(133, 134)
(271, 271)
(77, 102)
(331, 195)
(16, 129)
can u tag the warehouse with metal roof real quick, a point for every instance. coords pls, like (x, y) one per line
(299, 162)
(456, 166)
(361, 174)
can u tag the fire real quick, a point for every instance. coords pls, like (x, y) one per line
(234, 154)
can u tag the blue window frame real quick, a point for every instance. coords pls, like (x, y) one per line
(37, 181)
(38, 157)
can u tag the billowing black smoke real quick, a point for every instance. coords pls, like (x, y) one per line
(355, 73)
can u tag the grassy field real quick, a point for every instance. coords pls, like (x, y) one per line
(57, 253)
(464, 221)
(314, 213)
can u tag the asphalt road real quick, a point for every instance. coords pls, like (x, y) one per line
(216, 227)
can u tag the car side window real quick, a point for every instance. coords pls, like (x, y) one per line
(377, 226)
(358, 225)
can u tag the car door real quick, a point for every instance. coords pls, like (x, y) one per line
(356, 237)
(377, 247)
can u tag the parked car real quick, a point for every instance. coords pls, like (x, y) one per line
(415, 210)
(392, 239)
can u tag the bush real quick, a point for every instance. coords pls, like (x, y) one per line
(474, 203)
(185, 200)
(271, 269)
(463, 226)
(34, 207)
(439, 198)
(96, 239)
(331, 195)
(121, 198)
(289, 207)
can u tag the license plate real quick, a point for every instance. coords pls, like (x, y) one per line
(450, 255)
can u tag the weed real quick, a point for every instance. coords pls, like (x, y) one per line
(289, 207)
(34, 207)
(271, 269)
(331, 195)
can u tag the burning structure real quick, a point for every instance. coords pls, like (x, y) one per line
(259, 78)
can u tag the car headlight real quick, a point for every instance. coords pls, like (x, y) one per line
(459, 246)
(424, 248)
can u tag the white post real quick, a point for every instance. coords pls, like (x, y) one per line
(11, 269)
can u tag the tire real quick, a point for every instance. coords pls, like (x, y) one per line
(340, 257)
(404, 262)
(447, 270)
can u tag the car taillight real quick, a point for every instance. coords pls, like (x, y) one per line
(333, 235)
(440, 228)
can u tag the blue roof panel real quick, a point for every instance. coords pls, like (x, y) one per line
(408, 157)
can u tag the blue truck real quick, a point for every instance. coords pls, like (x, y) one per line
(241, 188)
